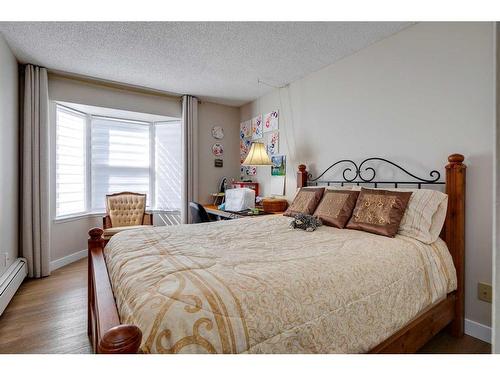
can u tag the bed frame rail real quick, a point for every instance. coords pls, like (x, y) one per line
(106, 333)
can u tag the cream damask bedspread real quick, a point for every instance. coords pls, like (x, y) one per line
(257, 286)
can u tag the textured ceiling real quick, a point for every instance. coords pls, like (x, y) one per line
(219, 62)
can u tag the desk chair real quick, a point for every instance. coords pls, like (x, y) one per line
(198, 213)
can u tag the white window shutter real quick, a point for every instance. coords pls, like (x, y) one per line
(70, 162)
(168, 165)
(120, 158)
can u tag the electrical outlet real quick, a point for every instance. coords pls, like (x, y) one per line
(484, 292)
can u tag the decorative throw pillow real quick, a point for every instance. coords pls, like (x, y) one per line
(379, 211)
(305, 202)
(308, 223)
(336, 206)
(425, 214)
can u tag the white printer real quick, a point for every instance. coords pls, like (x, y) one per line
(239, 199)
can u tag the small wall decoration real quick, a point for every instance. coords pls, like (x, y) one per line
(246, 171)
(279, 165)
(218, 149)
(271, 121)
(257, 131)
(244, 148)
(273, 140)
(245, 129)
(218, 163)
(218, 132)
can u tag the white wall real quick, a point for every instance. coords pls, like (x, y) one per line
(415, 97)
(210, 115)
(9, 154)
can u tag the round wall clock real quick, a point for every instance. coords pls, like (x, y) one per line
(218, 132)
(217, 149)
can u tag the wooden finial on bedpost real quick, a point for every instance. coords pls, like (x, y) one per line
(301, 176)
(123, 339)
(455, 233)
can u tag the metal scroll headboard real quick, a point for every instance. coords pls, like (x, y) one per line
(365, 174)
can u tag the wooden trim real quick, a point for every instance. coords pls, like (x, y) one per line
(302, 176)
(106, 222)
(147, 219)
(454, 234)
(103, 326)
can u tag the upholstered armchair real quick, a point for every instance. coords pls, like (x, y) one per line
(125, 211)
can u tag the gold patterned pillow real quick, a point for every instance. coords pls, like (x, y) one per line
(336, 207)
(379, 211)
(305, 202)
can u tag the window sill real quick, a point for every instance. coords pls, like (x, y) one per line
(68, 218)
(85, 215)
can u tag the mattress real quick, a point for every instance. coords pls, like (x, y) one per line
(257, 286)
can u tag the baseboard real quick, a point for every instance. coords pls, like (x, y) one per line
(478, 330)
(10, 281)
(61, 262)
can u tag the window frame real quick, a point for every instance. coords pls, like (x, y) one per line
(88, 164)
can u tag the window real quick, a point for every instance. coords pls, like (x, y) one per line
(70, 162)
(120, 158)
(168, 169)
(98, 155)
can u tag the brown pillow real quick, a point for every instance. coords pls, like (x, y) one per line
(379, 211)
(305, 202)
(335, 209)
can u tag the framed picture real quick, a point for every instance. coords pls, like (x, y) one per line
(279, 165)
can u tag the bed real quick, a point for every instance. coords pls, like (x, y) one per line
(258, 286)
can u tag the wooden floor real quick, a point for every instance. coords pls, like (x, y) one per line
(49, 316)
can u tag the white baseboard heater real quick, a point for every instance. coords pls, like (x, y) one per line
(10, 280)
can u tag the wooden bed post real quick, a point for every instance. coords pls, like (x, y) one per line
(455, 233)
(301, 176)
(106, 333)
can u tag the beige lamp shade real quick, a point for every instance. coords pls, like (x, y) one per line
(257, 155)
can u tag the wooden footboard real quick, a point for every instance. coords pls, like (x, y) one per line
(106, 333)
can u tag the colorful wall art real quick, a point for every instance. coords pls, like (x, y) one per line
(244, 148)
(246, 171)
(271, 121)
(245, 129)
(257, 131)
(279, 165)
(272, 144)
(217, 149)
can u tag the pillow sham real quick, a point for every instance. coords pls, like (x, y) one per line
(425, 214)
(336, 206)
(379, 211)
(305, 202)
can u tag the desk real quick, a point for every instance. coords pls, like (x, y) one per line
(227, 215)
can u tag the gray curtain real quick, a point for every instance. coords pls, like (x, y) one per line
(189, 154)
(35, 205)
